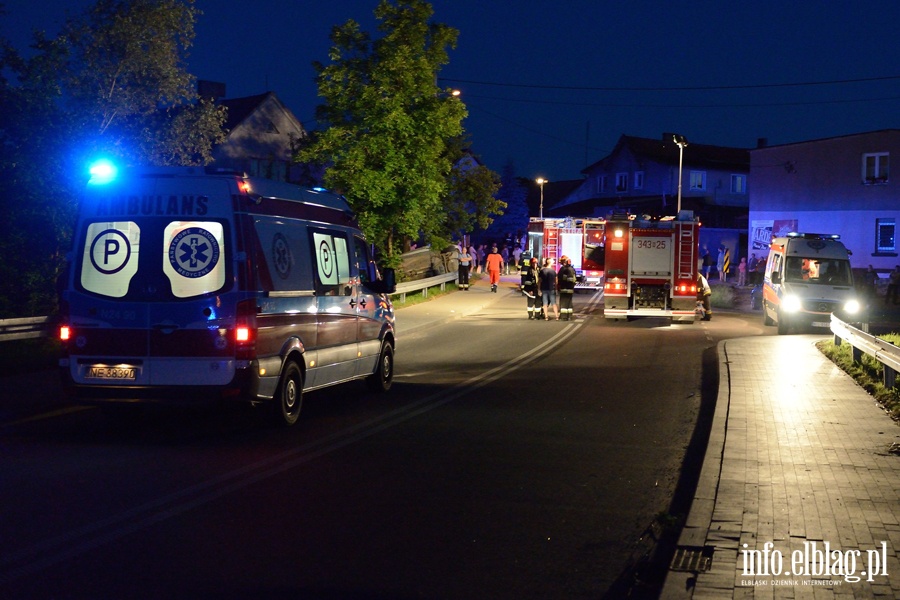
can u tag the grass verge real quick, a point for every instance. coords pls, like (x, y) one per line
(868, 373)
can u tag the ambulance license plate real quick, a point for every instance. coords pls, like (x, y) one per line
(117, 373)
(821, 324)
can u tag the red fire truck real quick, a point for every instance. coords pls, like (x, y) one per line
(582, 240)
(651, 267)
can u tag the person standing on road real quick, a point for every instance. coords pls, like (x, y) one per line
(893, 285)
(751, 269)
(742, 272)
(465, 262)
(703, 294)
(529, 275)
(494, 264)
(721, 263)
(565, 281)
(547, 282)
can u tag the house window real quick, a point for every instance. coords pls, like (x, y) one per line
(698, 180)
(639, 180)
(885, 240)
(601, 184)
(621, 182)
(875, 167)
(738, 184)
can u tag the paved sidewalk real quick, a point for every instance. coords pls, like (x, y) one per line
(799, 468)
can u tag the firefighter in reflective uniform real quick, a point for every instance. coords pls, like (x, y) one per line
(703, 294)
(565, 282)
(529, 275)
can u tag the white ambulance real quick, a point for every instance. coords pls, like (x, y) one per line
(186, 285)
(807, 278)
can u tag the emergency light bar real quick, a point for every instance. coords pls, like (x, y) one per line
(102, 172)
(815, 236)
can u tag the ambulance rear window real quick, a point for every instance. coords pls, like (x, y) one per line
(153, 259)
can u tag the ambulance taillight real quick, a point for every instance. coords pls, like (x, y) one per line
(245, 330)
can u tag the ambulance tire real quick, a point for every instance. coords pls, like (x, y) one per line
(783, 327)
(380, 381)
(767, 320)
(289, 395)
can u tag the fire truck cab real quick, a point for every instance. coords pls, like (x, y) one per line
(651, 267)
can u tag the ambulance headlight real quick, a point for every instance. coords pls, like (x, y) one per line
(791, 303)
(851, 307)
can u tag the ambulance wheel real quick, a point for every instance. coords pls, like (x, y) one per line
(767, 320)
(289, 395)
(783, 327)
(383, 377)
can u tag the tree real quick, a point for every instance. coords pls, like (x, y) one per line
(112, 81)
(126, 78)
(472, 200)
(387, 126)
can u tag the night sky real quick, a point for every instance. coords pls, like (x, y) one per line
(550, 86)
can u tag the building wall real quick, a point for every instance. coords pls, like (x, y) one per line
(819, 187)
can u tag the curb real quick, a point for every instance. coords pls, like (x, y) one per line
(679, 585)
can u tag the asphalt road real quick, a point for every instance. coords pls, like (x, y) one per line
(512, 459)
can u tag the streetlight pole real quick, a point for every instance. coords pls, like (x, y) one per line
(541, 181)
(681, 142)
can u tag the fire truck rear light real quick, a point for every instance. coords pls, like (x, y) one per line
(242, 334)
(65, 333)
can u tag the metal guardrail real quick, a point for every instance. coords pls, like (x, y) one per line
(864, 343)
(408, 287)
(22, 329)
(35, 327)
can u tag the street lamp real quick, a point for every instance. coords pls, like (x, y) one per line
(541, 181)
(681, 142)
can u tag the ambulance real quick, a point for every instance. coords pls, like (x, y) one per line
(186, 284)
(807, 278)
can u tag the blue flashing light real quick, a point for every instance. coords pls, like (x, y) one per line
(102, 172)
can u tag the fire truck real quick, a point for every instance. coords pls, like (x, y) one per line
(651, 267)
(582, 240)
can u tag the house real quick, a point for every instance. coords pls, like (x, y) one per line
(641, 175)
(262, 133)
(836, 185)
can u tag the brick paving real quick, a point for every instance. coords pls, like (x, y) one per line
(799, 457)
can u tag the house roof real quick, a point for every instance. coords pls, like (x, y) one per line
(837, 137)
(665, 151)
(241, 108)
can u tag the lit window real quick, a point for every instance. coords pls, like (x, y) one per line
(885, 240)
(738, 184)
(698, 180)
(875, 167)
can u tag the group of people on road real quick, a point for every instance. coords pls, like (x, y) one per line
(494, 265)
(545, 288)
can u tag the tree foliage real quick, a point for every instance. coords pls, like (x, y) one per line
(112, 81)
(388, 127)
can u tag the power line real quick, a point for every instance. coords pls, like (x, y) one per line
(670, 89)
(654, 105)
